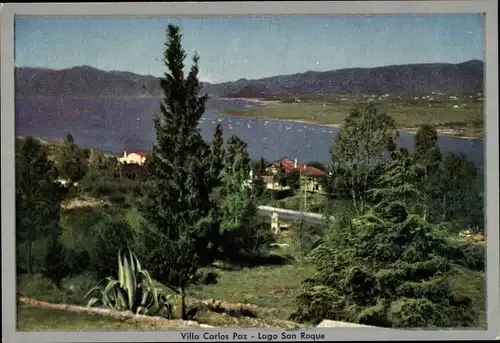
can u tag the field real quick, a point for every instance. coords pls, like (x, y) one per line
(463, 117)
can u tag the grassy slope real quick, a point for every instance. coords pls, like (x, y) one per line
(39, 319)
(465, 121)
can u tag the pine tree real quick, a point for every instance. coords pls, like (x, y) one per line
(38, 195)
(398, 180)
(216, 157)
(181, 225)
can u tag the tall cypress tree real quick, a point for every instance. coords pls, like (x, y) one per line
(177, 205)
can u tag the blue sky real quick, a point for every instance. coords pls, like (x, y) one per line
(231, 48)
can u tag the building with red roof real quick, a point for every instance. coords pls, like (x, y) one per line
(311, 175)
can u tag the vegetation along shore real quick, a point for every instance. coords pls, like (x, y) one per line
(451, 115)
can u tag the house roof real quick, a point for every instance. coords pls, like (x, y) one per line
(289, 166)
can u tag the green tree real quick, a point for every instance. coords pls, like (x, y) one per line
(280, 175)
(216, 157)
(54, 264)
(262, 165)
(258, 185)
(237, 202)
(112, 236)
(72, 161)
(385, 267)
(178, 210)
(292, 179)
(359, 148)
(102, 163)
(398, 181)
(457, 189)
(426, 159)
(38, 196)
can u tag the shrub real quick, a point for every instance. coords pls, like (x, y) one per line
(254, 239)
(132, 291)
(305, 237)
(112, 236)
(54, 264)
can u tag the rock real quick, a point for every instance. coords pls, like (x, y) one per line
(206, 326)
(326, 323)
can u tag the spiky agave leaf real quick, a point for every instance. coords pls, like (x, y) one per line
(129, 282)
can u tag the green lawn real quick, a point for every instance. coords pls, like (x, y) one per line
(314, 202)
(463, 121)
(266, 286)
(40, 319)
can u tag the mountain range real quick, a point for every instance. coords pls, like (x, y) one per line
(85, 81)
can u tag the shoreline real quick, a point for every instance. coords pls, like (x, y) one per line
(256, 100)
(409, 130)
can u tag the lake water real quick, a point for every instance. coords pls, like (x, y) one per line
(117, 125)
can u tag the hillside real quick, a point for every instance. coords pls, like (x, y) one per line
(87, 81)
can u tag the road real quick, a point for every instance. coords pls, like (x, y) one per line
(283, 214)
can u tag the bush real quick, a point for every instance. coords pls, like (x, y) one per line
(54, 264)
(470, 256)
(279, 194)
(111, 236)
(254, 239)
(305, 237)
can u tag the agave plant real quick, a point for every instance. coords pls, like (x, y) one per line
(133, 291)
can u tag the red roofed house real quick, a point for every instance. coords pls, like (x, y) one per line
(310, 174)
(138, 157)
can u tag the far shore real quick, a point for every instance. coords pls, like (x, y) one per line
(256, 100)
(409, 130)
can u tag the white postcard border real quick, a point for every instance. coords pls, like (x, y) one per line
(8, 11)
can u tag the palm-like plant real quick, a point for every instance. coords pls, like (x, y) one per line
(133, 291)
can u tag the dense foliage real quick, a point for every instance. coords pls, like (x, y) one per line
(389, 262)
(385, 267)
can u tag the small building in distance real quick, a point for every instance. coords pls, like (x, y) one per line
(137, 157)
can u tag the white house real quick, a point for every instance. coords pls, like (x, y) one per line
(138, 157)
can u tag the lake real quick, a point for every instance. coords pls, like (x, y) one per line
(117, 125)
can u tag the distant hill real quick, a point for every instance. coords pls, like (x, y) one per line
(85, 81)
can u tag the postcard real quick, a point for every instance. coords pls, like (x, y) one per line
(232, 176)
